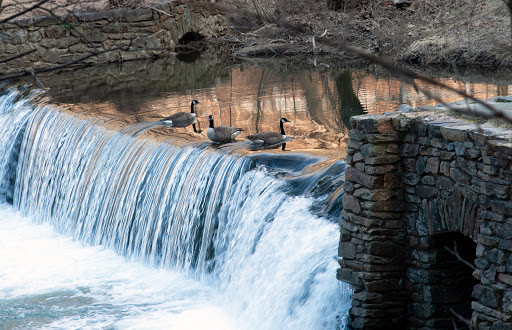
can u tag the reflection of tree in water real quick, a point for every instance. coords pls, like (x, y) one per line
(131, 85)
(349, 102)
(331, 103)
(260, 93)
(321, 98)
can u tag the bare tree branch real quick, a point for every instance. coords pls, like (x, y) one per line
(37, 81)
(7, 59)
(37, 5)
(52, 14)
(460, 317)
(455, 252)
(406, 74)
(261, 13)
(60, 66)
(409, 76)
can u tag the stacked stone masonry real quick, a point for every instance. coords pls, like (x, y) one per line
(138, 33)
(421, 198)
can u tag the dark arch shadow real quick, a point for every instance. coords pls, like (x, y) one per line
(440, 281)
(189, 47)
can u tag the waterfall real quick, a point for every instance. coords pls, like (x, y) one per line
(255, 228)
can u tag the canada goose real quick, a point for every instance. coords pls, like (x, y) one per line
(221, 134)
(268, 137)
(181, 118)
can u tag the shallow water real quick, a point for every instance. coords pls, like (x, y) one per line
(48, 280)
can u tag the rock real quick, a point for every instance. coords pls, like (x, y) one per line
(485, 295)
(51, 56)
(471, 107)
(350, 203)
(500, 99)
(406, 108)
(409, 150)
(347, 250)
(456, 132)
(348, 276)
(426, 107)
(385, 249)
(362, 178)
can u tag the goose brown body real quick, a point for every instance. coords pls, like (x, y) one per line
(221, 134)
(181, 118)
(269, 137)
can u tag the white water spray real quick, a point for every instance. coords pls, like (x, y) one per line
(210, 239)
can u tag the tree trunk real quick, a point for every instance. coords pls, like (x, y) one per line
(343, 4)
(334, 4)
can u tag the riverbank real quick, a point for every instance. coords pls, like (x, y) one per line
(464, 33)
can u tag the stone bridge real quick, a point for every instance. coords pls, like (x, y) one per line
(426, 239)
(134, 34)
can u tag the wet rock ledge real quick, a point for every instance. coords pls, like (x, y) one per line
(426, 238)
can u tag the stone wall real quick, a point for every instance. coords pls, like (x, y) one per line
(427, 228)
(143, 33)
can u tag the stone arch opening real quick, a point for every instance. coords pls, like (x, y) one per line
(440, 283)
(190, 37)
(190, 46)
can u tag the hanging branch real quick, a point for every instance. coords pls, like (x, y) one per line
(409, 76)
(460, 317)
(60, 66)
(455, 252)
(7, 59)
(26, 10)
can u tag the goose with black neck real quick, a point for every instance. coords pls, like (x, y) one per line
(269, 137)
(221, 134)
(182, 119)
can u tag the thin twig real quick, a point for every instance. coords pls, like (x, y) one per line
(161, 11)
(460, 317)
(37, 81)
(455, 252)
(60, 66)
(26, 10)
(10, 58)
(410, 75)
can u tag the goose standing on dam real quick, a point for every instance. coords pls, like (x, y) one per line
(221, 134)
(268, 137)
(178, 118)
(182, 119)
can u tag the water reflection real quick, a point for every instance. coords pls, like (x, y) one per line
(319, 101)
(379, 92)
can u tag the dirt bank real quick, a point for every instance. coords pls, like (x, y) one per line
(467, 33)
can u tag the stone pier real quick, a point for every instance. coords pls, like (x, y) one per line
(426, 239)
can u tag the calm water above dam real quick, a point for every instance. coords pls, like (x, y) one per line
(103, 229)
(319, 101)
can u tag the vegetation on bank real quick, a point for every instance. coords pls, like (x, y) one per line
(428, 32)
(424, 32)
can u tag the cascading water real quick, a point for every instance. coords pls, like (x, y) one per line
(202, 238)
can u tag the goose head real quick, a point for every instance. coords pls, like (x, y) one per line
(194, 102)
